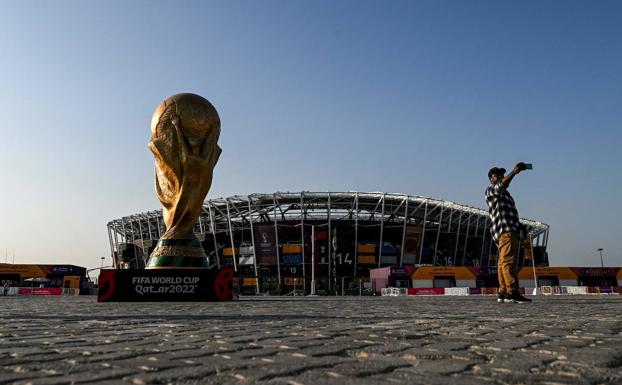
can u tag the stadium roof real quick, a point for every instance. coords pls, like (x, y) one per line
(235, 212)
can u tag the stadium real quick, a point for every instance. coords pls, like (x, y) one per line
(282, 242)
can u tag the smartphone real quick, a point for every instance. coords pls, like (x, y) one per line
(528, 166)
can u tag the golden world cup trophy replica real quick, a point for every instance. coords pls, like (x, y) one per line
(184, 141)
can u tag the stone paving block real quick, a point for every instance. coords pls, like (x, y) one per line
(411, 377)
(367, 366)
(442, 340)
(84, 377)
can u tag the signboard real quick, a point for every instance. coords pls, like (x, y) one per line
(291, 259)
(40, 291)
(293, 281)
(426, 291)
(400, 270)
(412, 244)
(265, 244)
(61, 270)
(25, 271)
(485, 271)
(596, 271)
(167, 285)
(559, 272)
(432, 272)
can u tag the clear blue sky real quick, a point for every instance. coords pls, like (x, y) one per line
(417, 97)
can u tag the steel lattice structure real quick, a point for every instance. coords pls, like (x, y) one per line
(227, 218)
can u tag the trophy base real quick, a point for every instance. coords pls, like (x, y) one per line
(178, 254)
(168, 285)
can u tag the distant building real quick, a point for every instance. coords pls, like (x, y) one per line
(55, 276)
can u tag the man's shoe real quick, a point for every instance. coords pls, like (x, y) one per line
(516, 297)
(501, 297)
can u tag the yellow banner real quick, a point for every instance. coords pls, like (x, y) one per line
(367, 259)
(431, 272)
(249, 281)
(25, 271)
(293, 281)
(559, 272)
(366, 248)
(293, 248)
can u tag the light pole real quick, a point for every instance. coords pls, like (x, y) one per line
(312, 260)
(600, 250)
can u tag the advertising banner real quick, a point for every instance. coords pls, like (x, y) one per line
(40, 291)
(596, 271)
(459, 291)
(485, 271)
(412, 245)
(427, 272)
(605, 290)
(167, 285)
(559, 272)
(25, 271)
(265, 244)
(291, 259)
(426, 291)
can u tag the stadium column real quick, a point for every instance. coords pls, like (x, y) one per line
(124, 239)
(490, 251)
(356, 234)
(425, 219)
(451, 214)
(481, 257)
(453, 262)
(276, 239)
(132, 232)
(404, 230)
(302, 241)
(381, 229)
(116, 242)
(250, 220)
(111, 246)
(438, 233)
(213, 225)
(546, 238)
(466, 238)
(330, 248)
(235, 263)
(476, 234)
(158, 216)
(201, 228)
(142, 241)
(149, 225)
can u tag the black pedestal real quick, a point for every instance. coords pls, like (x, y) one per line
(167, 285)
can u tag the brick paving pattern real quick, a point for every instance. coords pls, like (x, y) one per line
(368, 340)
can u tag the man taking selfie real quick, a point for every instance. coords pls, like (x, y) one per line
(505, 229)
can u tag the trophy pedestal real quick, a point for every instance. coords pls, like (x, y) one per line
(168, 285)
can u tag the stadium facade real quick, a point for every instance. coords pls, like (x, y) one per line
(286, 240)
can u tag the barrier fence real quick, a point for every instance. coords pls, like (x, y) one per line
(37, 291)
(465, 291)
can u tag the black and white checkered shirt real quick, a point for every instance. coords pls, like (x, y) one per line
(502, 211)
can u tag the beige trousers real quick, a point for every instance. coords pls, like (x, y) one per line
(506, 267)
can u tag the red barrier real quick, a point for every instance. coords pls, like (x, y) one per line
(39, 291)
(426, 291)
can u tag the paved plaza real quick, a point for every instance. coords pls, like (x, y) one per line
(320, 340)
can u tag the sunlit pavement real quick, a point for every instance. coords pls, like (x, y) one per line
(368, 340)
